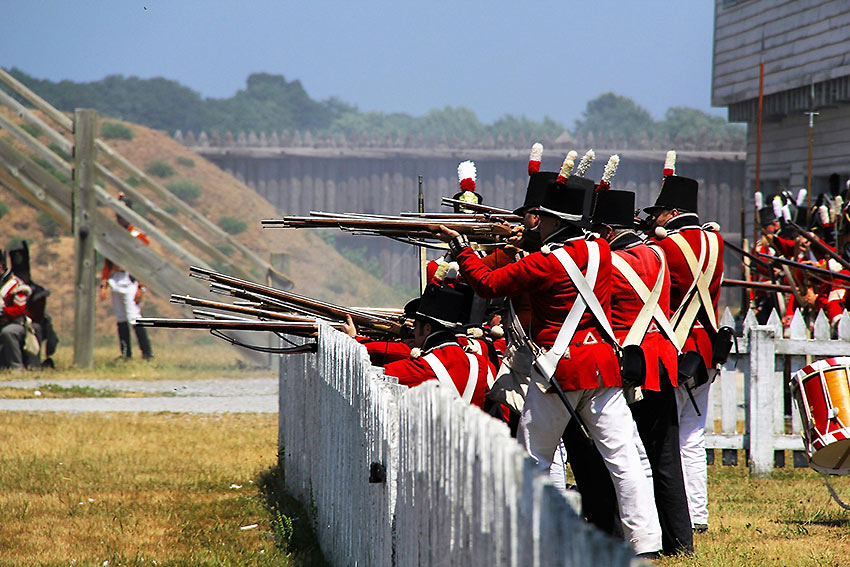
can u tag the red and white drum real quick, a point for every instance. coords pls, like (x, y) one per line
(822, 390)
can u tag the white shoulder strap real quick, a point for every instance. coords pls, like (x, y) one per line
(698, 294)
(446, 380)
(650, 310)
(586, 298)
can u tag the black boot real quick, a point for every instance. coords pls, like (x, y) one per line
(144, 343)
(124, 339)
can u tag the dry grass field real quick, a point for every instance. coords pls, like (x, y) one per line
(138, 489)
(787, 519)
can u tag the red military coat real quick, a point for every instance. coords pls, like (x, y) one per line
(591, 361)
(681, 278)
(626, 305)
(416, 370)
(384, 352)
(14, 294)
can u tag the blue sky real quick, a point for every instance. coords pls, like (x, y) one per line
(531, 58)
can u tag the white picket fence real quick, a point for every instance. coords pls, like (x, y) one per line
(752, 386)
(457, 490)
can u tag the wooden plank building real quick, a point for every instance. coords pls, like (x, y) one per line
(805, 48)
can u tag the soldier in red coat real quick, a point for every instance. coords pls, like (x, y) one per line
(437, 354)
(640, 300)
(568, 281)
(695, 258)
(14, 293)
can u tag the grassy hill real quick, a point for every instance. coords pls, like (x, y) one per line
(316, 268)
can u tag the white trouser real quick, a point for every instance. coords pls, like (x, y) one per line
(124, 297)
(610, 424)
(692, 448)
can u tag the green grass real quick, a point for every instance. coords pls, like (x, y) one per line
(142, 490)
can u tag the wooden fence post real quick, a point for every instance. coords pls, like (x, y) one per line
(760, 413)
(83, 204)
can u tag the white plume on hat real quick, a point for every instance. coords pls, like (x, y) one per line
(609, 172)
(786, 213)
(801, 197)
(777, 206)
(466, 175)
(823, 211)
(535, 158)
(759, 200)
(567, 166)
(670, 163)
(585, 162)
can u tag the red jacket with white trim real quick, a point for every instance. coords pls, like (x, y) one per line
(626, 306)
(15, 293)
(681, 278)
(591, 361)
(416, 370)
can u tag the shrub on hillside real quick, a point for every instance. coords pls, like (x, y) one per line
(4, 208)
(50, 169)
(31, 129)
(225, 249)
(185, 190)
(14, 242)
(232, 225)
(115, 131)
(49, 227)
(171, 209)
(133, 182)
(159, 168)
(184, 161)
(60, 152)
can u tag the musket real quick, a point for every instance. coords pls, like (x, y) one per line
(449, 202)
(806, 267)
(243, 309)
(757, 285)
(286, 327)
(400, 225)
(819, 244)
(216, 326)
(741, 251)
(302, 303)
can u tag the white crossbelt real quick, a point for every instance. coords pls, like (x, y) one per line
(548, 362)
(650, 310)
(446, 380)
(698, 294)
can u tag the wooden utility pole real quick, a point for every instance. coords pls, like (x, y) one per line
(83, 205)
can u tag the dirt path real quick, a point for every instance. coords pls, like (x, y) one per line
(225, 395)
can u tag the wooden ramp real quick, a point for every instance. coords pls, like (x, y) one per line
(44, 178)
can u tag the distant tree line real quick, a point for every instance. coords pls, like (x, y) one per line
(270, 103)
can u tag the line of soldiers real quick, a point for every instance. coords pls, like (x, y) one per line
(817, 238)
(606, 345)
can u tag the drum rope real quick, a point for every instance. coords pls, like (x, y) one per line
(834, 494)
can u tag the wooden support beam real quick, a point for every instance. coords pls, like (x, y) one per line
(85, 127)
(37, 101)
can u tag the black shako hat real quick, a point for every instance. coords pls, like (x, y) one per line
(534, 193)
(570, 201)
(766, 216)
(676, 193)
(614, 208)
(444, 305)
